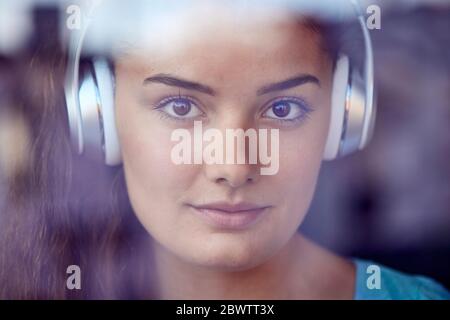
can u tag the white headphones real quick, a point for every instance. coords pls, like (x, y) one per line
(90, 104)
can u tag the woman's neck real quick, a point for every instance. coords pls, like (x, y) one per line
(293, 273)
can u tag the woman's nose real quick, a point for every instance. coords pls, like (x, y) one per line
(231, 175)
(244, 165)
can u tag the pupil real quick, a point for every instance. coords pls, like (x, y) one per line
(281, 109)
(181, 108)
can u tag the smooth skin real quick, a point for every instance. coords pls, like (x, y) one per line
(231, 58)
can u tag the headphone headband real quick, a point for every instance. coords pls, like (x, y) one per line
(90, 101)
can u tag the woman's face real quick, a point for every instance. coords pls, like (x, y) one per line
(210, 65)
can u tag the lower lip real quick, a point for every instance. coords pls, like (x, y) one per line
(231, 220)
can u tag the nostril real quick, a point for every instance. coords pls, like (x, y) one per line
(219, 180)
(235, 183)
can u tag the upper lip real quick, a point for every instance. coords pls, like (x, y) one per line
(230, 207)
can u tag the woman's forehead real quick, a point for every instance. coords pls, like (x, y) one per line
(221, 41)
(244, 58)
(214, 25)
(161, 26)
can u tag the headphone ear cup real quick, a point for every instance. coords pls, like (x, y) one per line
(371, 122)
(89, 108)
(105, 85)
(338, 103)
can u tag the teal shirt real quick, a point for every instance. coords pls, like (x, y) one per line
(396, 285)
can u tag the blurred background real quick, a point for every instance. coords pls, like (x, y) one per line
(389, 203)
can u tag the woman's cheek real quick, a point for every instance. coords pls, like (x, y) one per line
(154, 183)
(147, 153)
(300, 159)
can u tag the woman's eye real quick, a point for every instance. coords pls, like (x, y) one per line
(288, 109)
(179, 107)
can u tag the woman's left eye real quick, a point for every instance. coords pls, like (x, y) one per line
(288, 109)
(179, 108)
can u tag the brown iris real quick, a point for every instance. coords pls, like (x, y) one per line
(181, 107)
(281, 109)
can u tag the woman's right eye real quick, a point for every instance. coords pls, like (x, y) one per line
(180, 108)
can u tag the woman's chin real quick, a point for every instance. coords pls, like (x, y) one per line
(228, 259)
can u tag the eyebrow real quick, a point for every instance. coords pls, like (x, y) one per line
(180, 83)
(289, 83)
(172, 81)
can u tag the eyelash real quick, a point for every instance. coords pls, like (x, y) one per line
(306, 109)
(303, 105)
(165, 101)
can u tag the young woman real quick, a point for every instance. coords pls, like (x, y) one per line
(153, 229)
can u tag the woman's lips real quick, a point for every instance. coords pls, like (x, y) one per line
(230, 216)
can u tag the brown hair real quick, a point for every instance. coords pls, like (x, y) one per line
(64, 210)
